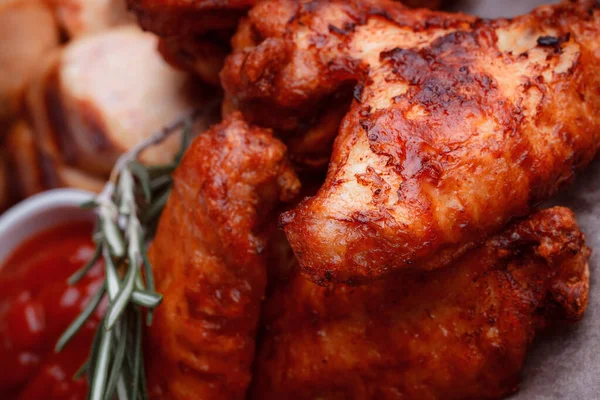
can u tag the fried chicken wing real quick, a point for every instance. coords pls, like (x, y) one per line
(458, 125)
(460, 332)
(197, 33)
(294, 55)
(210, 264)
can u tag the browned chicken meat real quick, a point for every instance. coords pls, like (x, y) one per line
(183, 17)
(460, 332)
(197, 32)
(210, 262)
(457, 124)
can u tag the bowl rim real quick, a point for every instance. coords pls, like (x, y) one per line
(55, 198)
(34, 214)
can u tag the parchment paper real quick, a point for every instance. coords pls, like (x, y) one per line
(564, 364)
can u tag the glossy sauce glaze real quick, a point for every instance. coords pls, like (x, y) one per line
(37, 305)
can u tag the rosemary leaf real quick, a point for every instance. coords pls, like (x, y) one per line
(113, 236)
(126, 186)
(80, 320)
(122, 299)
(139, 283)
(157, 206)
(161, 170)
(138, 352)
(186, 138)
(82, 370)
(143, 386)
(130, 338)
(118, 357)
(148, 274)
(77, 276)
(133, 193)
(89, 205)
(144, 178)
(98, 382)
(122, 388)
(94, 355)
(112, 279)
(146, 299)
(160, 182)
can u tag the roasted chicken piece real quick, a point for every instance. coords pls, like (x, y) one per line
(27, 32)
(197, 33)
(460, 332)
(458, 125)
(301, 88)
(210, 262)
(84, 17)
(94, 99)
(184, 17)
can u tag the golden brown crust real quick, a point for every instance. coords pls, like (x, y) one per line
(203, 56)
(291, 54)
(209, 261)
(460, 332)
(193, 27)
(184, 17)
(196, 33)
(457, 125)
(293, 70)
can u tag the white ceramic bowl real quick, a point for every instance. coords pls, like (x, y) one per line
(38, 213)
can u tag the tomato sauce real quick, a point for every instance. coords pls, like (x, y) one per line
(37, 305)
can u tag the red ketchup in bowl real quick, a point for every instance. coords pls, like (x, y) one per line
(37, 305)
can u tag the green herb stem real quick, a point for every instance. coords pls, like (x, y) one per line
(127, 212)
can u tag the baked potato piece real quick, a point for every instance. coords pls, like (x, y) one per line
(100, 95)
(84, 17)
(28, 31)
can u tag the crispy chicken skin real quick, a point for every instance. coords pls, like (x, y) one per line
(210, 264)
(294, 55)
(184, 17)
(197, 33)
(460, 332)
(458, 125)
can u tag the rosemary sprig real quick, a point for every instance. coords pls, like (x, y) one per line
(127, 212)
